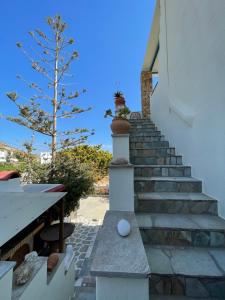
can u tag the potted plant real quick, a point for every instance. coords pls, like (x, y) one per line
(120, 123)
(119, 99)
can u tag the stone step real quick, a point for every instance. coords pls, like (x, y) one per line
(149, 145)
(162, 170)
(143, 129)
(145, 134)
(146, 139)
(175, 203)
(167, 184)
(190, 272)
(137, 126)
(178, 297)
(159, 151)
(141, 121)
(196, 230)
(155, 160)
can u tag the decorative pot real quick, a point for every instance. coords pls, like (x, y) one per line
(119, 101)
(52, 261)
(120, 126)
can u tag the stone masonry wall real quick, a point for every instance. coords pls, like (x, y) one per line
(146, 89)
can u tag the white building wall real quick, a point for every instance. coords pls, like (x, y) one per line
(46, 157)
(3, 156)
(188, 104)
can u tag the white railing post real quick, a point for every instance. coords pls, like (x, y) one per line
(121, 146)
(121, 175)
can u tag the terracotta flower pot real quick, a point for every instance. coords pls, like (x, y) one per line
(52, 261)
(119, 101)
(120, 126)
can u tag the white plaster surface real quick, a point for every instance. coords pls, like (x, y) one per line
(121, 146)
(6, 286)
(61, 285)
(188, 104)
(121, 188)
(122, 289)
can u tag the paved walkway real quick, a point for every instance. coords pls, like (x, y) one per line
(87, 219)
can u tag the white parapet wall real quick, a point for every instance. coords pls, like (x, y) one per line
(121, 146)
(120, 263)
(121, 187)
(58, 285)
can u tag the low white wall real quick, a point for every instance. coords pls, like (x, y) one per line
(188, 104)
(122, 288)
(6, 286)
(60, 286)
(37, 288)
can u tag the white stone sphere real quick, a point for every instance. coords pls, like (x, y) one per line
(123, 227)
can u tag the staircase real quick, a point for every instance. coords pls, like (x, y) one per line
(183, 235)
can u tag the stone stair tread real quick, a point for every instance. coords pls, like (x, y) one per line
(133, 134)
(180, 221)
(186, 261)
(174, 196)
(153, 148)
(161, 166)
(178, 297)
(176, 179)
(162, 155)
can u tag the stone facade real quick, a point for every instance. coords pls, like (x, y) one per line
(146, 89)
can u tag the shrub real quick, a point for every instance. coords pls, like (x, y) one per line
(97, 158)
(77, 178)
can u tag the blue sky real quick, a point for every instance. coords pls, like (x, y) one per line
(111, 38)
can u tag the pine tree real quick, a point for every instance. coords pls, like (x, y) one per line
(52, 58)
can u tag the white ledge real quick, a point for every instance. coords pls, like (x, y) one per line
(5, 267)
(117, 256)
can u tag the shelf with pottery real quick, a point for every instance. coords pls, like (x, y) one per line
(39, 277)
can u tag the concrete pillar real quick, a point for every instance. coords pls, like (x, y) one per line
(121, 187)
(146, 90)
(121, 146)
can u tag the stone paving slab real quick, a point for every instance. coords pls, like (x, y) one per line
(82, 240)
(88, 219)
(192, 262)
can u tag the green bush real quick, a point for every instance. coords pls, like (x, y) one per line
(77, 178)
(97, 158)
(77, 168)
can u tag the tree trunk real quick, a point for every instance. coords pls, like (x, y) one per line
(55, 102)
